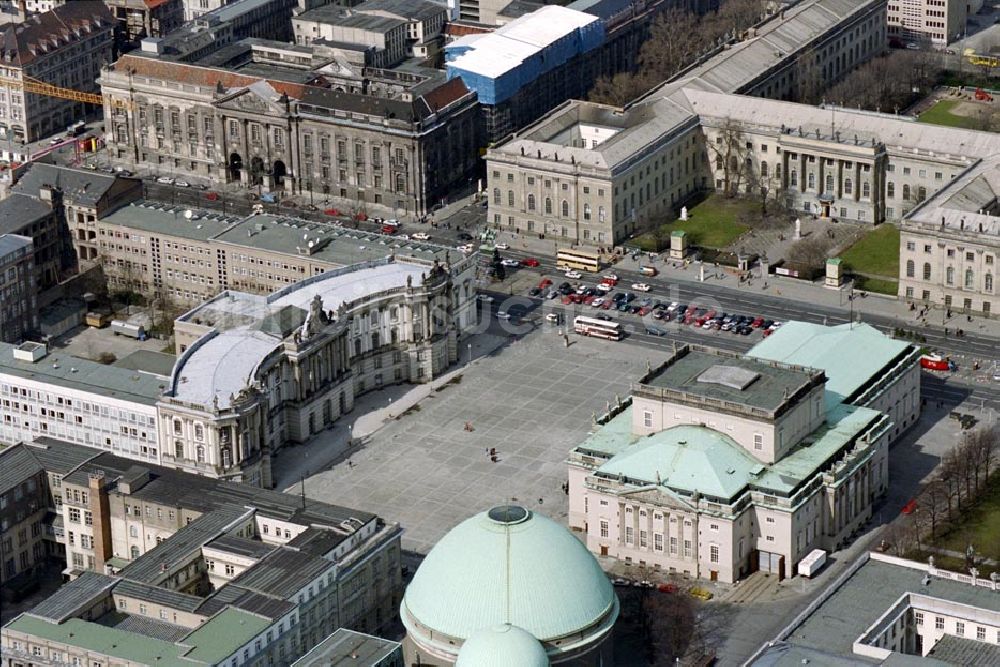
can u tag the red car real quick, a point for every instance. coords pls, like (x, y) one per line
(607, 304)
(545, 283)
(531, 262)
(212, 196)
(589, 299)
(644, 310)
(332, 212)
(567, 300)
(757, 323)
(609, 281)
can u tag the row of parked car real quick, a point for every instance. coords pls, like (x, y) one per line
(709, 318)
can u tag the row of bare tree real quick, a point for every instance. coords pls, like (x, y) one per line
(890, 83)
(961, 479)
(677, 39)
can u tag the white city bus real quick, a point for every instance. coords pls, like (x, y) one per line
(580, 260)
(590, 326)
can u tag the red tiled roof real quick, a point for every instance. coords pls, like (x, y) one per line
(206, 76)
(51, 30)
(453, 29)
(445, 94)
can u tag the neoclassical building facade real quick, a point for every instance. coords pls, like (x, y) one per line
(256, 373)
(397, 152)
(720, 465)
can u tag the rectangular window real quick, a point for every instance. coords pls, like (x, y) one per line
(939, 623)
(918, 618)
(604, 528)
(959, 628)
(658, 541)
(758, 441)
(713, 553)
(647, 419)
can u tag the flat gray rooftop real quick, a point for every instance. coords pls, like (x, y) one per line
(868, 594)
(347, 647)
(11, 242)
(720, 376)
(966, 652)
(63, 370)
(336, 245)
(167, 220)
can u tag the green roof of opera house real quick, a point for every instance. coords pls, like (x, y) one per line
(698, 458)
(849, 354)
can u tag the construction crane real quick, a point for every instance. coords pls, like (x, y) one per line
(30, 85)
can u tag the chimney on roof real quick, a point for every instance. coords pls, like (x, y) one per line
(961, 224)
(522, 151)
(539, 152)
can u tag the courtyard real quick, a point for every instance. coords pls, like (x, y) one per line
(428, 467)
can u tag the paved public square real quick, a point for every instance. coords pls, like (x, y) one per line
(531, 399)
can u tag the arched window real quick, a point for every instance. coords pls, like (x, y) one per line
(200, 454)
(811, 180)
(890, 190)
(829, 182)
(906, 193)
(848, 186)
(510, 198)
(927, 270)
(496, 195)
(921, 193)
(548, 206)
(970, 279)
(949, 275)
(565, 208)
(909, 268)
(866, 189)
(531, 202)
(989, 282)
(763, 169)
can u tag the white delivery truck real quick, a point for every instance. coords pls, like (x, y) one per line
(812, 563)
(120, 328)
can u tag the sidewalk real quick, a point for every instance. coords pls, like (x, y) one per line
(371, 412)
(783, 287)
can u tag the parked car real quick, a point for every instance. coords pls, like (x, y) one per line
(545, 282)
(332, 212)
(605, 287)
(534, 291)
(510, 262)
(611, 278)
(501, 246)
(421, 236)
(165, 180)
(641, 287)
(530, 262)
(181, 184)
(574, 275)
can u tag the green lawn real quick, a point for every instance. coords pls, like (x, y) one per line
(979, 526)
(880, 285)
(876, 254)
(710, 224)
(940, 114)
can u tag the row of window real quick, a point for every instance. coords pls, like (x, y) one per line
(969, 277)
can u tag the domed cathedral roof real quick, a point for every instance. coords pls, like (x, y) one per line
(509, 567)
(502, 646)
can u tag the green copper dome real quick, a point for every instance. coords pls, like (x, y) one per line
(502, 646)
(510, 566)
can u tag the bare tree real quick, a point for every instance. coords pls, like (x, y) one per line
(811, 251)
(731, 155)
(618, 90)
(809, 77)
(932, 503)
(950, 475)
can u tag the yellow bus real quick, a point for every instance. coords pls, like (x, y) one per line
(582, 260)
